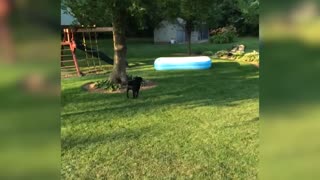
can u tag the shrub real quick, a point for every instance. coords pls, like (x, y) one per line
(223, 30)
(197, 52)
(219, 39)
(107, 85)
(223, 35)
(222, 53)
(237, 55)
(207, 53)
(250, 57)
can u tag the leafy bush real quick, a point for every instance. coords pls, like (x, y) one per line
(107, 85)
(223, 30)
(222, 53)
(207, 53)
(197, 52)
(250, 57)
(237, 55)
(223, 35)
(219, 39)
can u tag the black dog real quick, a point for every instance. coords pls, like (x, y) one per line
(134, 85)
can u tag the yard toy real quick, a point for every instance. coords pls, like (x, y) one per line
(89, 45)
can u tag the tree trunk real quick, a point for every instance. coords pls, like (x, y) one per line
(119, 74)
(189, 43)
(189, 32)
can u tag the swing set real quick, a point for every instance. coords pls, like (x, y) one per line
(91, 62)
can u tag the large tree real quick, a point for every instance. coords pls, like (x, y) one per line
(115, 13)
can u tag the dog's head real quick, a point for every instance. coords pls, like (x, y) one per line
(138, 79)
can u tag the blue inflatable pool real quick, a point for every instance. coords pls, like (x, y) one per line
(176, 63)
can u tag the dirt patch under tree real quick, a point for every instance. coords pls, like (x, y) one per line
(91, 87)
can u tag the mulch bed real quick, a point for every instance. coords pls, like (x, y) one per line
(92, 89)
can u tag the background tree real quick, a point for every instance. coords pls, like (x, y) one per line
(242, 14)
(223, 13)
(250, 15)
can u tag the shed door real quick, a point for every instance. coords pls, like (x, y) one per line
(180, 36)
(205, 34)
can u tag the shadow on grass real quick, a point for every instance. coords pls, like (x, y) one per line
(223, 85)
(71, 141)
(242, 123)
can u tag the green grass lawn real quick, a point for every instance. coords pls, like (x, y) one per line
(197, 124)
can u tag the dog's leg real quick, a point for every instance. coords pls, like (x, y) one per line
(127, 93)
(134, 94)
